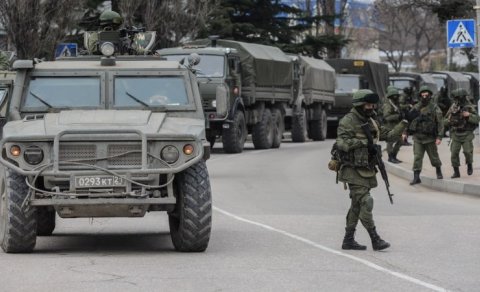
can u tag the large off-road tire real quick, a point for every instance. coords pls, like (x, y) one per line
(278, 127)
(18, 226)
(190, 222)
(318, 128)
(233, 138)
(45, 221)
(332, 131)
(262, 133)
(299, 127)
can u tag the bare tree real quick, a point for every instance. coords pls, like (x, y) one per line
(36, 26)
(394, 24)
(406, 31)
(176, 20)
(128, 8)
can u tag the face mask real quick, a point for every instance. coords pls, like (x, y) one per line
(425, 100)
(366, 112)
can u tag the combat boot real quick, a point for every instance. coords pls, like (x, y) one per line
(396, 159)
(469, 169)
(439, 172)
(416, 177)
(393, 159)
(349, 241)
(456, 172)
(377, 242)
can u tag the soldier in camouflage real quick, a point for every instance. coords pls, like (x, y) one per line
(358, 165)
(462, 120)
(392, 114)
(427, 129)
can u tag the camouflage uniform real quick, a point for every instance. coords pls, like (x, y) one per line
(358, 170)
(461, 130)
(392, 115)
(427, 129)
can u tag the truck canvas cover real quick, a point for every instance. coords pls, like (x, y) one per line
(375, 73)
(262, 66)
(319, 76)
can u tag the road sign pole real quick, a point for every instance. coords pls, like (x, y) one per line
(477, 9)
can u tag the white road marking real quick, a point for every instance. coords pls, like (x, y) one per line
(336, 252)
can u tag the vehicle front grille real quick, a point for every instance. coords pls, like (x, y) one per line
(126, 160)
(76, 152)
(118, 155)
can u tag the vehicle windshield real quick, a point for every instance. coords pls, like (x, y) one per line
(347, 84)
(146, 91)
(401, 84)
(209, 66)
(46, 93)
(440, 81)
(3, 94)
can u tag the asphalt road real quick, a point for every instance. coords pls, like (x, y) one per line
(278, 225)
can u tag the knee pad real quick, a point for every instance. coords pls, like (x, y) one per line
(368, 203)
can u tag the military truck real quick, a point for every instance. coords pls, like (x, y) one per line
(6, 86)
(264, 92)
(104, 137)
(448, 81)
(409, 83)
(474, 79)
(352, 75)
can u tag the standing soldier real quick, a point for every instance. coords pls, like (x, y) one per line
(427, 131)
(392, 115)
(358, 164)
(462, 120)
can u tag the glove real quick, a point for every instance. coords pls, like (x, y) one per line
(412, 115)
(372, 149)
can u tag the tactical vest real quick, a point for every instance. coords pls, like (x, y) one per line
(458, 123)
(426, 122)
(360, 158)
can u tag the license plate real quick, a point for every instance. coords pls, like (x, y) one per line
(101, 181)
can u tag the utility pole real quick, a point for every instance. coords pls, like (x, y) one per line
(477, 9)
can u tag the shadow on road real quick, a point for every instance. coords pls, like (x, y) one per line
(104, 243)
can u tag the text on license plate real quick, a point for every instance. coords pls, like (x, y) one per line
(99, 181)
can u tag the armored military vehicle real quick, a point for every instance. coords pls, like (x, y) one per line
(104, 137)
(448, 81)
(409, 83)
(474, 79)
(264, 92)
(353, 75)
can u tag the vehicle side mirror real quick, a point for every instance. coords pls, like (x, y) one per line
(221, 101)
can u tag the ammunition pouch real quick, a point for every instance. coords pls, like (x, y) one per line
(423, 125)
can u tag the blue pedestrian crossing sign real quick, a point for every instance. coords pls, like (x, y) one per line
(66, 50)
(461, 33)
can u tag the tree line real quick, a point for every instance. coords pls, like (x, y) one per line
(311, 27)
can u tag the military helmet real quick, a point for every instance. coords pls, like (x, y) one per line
(364, 96)
(392, 92)
(459, 93)
(425, 88)
(110, 18)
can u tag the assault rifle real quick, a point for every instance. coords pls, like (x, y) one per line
(378, 158)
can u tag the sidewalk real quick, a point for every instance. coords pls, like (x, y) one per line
(464, 185)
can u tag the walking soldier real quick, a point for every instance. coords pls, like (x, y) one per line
(358, 164)
(427, 129)
(392, 114)
(462, 120)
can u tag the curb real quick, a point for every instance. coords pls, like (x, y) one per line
(444, 185)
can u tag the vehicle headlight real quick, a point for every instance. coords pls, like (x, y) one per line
(107, 49)
(214, 103)
(33, 155)
(169, 154)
